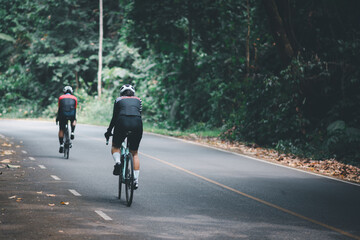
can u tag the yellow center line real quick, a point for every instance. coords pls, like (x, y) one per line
(254, 198)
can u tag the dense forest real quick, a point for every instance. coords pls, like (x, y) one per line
(277, 73)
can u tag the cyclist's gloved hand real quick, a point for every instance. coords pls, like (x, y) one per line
(107, 135)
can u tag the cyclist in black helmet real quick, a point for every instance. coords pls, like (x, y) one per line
(126, 117)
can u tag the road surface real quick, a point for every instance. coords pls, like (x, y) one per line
(186, 191)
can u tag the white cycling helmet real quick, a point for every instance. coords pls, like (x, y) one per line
(68, 89)
(126, 87)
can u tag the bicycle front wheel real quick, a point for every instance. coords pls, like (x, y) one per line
(129, 181)
(120, 182)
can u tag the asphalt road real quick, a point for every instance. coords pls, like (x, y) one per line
(186, 191)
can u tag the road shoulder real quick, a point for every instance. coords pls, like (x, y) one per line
(330, 167)
(32, 205)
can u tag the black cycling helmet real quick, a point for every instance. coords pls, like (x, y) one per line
(127, 88)
(68, 89)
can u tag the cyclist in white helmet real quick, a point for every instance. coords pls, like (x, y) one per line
(126, 117)
(66, 112)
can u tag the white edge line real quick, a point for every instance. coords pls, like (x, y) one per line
(74, 192)
(42, 166)
(103, 215)
(260, 160)
(55, 177)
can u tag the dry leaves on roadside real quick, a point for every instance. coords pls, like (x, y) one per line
(13, 166)
(50, 195)
(329, 167)
(7, 152)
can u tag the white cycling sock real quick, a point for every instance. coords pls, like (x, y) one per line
(136, 174)
(116, 157)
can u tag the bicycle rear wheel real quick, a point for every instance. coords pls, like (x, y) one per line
(66, 152)
(67, 143)
(129, 181)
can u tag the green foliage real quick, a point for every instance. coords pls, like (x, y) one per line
(187, 60)
(343, 141)
(7, 38)
(272, 109)
(96, 111)
(19, 91)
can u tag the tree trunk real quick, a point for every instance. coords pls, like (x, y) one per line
(190, 38)
(248, 40)
(100, 46)
(282, 41)
(285, 13)
(77, 80)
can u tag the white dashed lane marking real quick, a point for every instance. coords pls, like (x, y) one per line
(24, 152)
(74, 192)
(42, 167)
(55, 177)
(32, 159)
(103, 215)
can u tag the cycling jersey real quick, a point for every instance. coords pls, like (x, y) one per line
(126, 106)
(127, 117)
(67, 106)
(66, 109)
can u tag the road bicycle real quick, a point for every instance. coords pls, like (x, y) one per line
(67, 142)
(126, 176)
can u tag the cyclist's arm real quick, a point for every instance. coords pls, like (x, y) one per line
(114, 117)
(58, 112)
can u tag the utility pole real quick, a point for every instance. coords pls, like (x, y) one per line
(100, 47)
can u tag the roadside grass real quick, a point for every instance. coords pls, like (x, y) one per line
(203, 133)
(99, 112)
(96, 113)
(21, 111)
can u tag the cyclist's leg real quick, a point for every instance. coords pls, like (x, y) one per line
(62, 123)
(61, 129)
(136, 159)
(115, 152)
(73, 124)
(134, 140)
(118, 138)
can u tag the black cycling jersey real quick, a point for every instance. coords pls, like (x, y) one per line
(67, 104)
(127, 118)
(125, 106)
